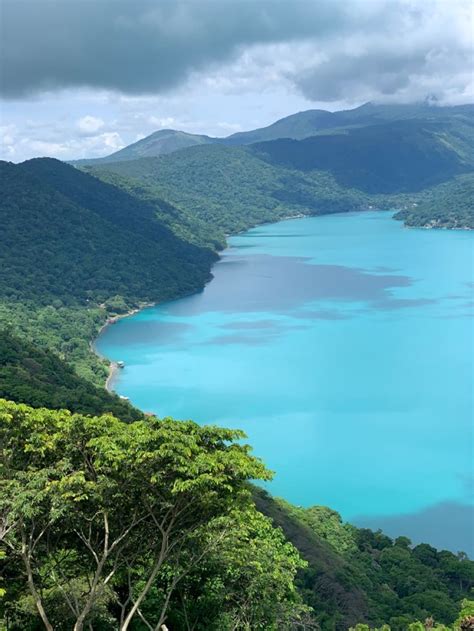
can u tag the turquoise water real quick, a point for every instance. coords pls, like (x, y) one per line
(343, 346)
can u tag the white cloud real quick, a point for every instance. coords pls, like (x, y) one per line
(90, 124)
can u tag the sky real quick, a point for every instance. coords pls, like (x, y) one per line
(83, 78)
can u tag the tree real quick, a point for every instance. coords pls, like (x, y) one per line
(107, 514)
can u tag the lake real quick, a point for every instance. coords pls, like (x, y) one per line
(343, 345)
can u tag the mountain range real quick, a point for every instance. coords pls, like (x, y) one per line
(296, 126)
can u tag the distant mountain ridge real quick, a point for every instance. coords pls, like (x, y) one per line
(296, 126)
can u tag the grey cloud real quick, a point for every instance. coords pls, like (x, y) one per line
(328, 50)
(386, 71)
(144, 46)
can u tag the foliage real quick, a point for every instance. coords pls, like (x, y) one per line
(74, 250)
(39, 378)
(103, 522)
(70, 238)
(358, 575)
(232, 189)
(394, 157)
(449, 205)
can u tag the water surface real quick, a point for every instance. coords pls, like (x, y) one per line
(343, 346)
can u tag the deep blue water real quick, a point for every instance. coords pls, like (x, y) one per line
(343, 345)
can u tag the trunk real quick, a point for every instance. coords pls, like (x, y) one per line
(148, 584)
(34, 592)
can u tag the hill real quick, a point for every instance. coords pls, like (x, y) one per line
(39, 378)
(395, 157)
(156, 144)
(449, 205)
(69, 236)
(387, 165)
(234, 188)
(296, 126)
(357, 575)
(74, 250)
(314, 122)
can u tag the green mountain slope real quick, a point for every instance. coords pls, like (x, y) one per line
(233, 188)
(68, 236)
(157, 144)
(74, 250)
(449, 205)
(396, 157)
(356, 575)
(39, 378)
(314, 122)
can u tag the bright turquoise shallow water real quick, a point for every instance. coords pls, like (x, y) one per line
(343, 345)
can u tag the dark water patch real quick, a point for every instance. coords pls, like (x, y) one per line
(323, 314)
(279, 283)
(147, 332)
(404, 303)
(447, 525)
(242, 340)
(251, 324)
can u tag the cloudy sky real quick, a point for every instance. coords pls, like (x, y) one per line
(82, 78)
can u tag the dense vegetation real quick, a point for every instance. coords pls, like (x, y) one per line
(29, 374)
(102, 241)
(394, 164)
(233, 188)
(395, 157)
(356, 574)
(108, 525)
(74, 250)
(449, 205)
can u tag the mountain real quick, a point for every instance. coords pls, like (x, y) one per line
(75, 250)
(296, 126)
(234, 188)
(314, 122)
(387, 165)
(159, 143)
(399, 156)
(66, 235)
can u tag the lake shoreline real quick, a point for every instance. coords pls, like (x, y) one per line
(113, 366)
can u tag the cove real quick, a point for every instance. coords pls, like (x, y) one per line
(343, 346)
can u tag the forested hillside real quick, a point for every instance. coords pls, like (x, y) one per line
(234, 189)
(396, 157)
(356, 574)
(394, 164)
(74, 249)
(449, 205)
(36, 376)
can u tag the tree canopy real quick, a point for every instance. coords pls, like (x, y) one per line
(108, 525)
